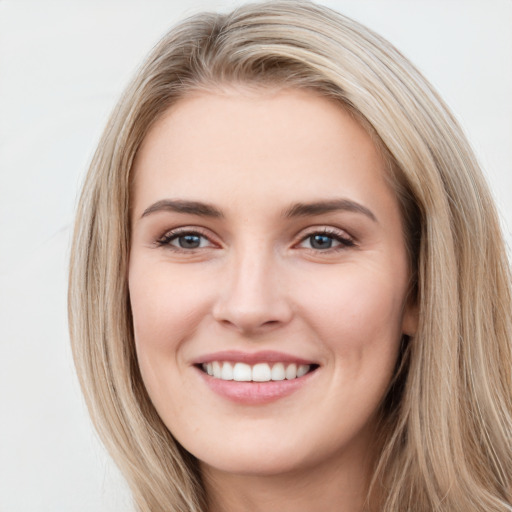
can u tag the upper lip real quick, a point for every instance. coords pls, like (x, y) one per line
(263, 356)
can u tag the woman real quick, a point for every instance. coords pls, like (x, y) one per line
(288, 285)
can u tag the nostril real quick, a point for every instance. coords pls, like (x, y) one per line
(248, 322)
(250, 302)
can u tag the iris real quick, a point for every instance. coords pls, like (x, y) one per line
(320, 241)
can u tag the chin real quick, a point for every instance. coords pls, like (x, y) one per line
(256, 462)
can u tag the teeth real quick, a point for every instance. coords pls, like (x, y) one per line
(217, 369)
(302, 370)
(291, 371)
(227, 372)
(278, 372)
(261, 372)
(242, 372)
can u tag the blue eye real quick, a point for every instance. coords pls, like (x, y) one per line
(321, 241)
(184, 240)
(324, 241)
(187, 241)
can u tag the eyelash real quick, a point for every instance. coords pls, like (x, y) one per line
(170, 236)
(344, 241)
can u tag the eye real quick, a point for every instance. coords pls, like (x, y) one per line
(326, 240)
(190, 241)
(185, 240)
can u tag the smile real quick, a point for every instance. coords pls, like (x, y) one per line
(260, 372)
(255, 378)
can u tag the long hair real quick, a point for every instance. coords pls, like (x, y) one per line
(446, 420)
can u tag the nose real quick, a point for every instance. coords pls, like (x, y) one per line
(252, 298)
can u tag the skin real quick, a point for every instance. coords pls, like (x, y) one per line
(258, 282)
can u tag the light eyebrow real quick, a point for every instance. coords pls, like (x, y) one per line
(321, 207)
(182, 206)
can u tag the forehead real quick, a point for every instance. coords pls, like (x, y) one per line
(285, 145)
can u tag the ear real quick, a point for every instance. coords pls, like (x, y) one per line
(410, 318)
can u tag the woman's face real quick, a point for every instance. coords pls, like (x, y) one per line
(267, 248)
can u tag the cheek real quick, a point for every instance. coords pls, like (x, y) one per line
(357, 316)
(163, 304)
(357, 321)
(167, 309)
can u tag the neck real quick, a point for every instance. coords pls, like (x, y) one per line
(333, 486)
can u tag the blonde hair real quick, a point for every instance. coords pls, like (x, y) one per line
(447, 426)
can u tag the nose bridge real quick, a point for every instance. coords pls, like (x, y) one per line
(252, 273)
(251, 298)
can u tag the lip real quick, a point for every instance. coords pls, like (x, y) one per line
(253, 393)
(262, 356)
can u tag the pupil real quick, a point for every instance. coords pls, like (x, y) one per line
(189, 241)
(321, 242)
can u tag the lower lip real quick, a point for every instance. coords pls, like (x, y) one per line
(254, 393)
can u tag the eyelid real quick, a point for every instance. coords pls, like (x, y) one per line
(171, 234)
(340, 235)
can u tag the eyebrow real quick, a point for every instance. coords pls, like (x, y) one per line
(296, 210)
(321, 207)
(182, 206)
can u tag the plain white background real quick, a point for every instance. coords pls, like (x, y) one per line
(62, 67)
